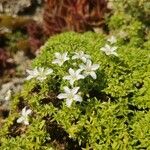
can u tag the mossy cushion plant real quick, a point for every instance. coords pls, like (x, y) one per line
(87, 91)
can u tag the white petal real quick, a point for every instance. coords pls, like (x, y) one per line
(23, 111)
(69, 102)
(95, 66)
(103, 49)
(80, 77)
(93, 75)
(65, 54)
(26, 122)
(29, 77)
(78, 98)
(114, 53)
(56, 61)
(29, 71)
(71, 71)
(62, 96)
(19, 120)
(8, 95)
(78, 71)
(41, 78)
(114, 48)
(72, 82)
(85, 73)
(107, 47)
(112, 39)
(83, 59)
(67, 78)
(60, 63)
(88, 63)
(41, 69)
(75, 90)
(28, 111)
(66, 89)
(82, 66)
(49, 71)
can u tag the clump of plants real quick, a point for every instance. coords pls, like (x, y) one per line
(87, 91)
(130, 19)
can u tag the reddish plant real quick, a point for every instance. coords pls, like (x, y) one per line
(75, 15)
(35, 33)
(3, 58)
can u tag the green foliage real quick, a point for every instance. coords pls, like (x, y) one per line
(139, 9)
(114, 113)
(130, 19)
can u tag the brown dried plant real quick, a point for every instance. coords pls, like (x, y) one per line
(73, 15)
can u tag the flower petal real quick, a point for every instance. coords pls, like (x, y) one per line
(28, 111)
(71, 71)
(75, 90)
(29, 77)
(40, 78)
(114, 48)
(26, 122)
(103, 49)
(56, 61)
(78, 98)
(72, 81)
(88, 63)
(107, 47)
(114, 53)
(69, 102)
(93, 75)
(23, 111)
(48, 71)
(82, 66)
(84, 59)
(66, 89)
(67, 78)
(78, 71)
(19, 120)
(81, 76)
(62, 96)
(95, 66)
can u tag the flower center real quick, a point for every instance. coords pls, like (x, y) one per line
(70, 96)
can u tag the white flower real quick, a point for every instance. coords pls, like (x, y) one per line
(112, 40)
(60, 58)
(24, 116)
(109, 50)
(8, 95)
(32, 73)
(74, 76)
(89, 69)
(42, 73)
(38, 73)
(81, 55)
(70, 95)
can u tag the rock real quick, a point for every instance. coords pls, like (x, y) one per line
(13, 7)
(14, 85)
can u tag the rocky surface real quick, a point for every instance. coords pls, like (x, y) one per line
(17, 6)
